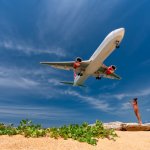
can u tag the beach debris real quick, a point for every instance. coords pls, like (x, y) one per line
(120, 126)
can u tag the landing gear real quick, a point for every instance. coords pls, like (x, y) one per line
(117, 44)
(80, 74)
(98, 78)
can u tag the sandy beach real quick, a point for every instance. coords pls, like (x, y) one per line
(127, 140)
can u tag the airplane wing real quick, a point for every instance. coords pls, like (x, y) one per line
(68, 65)
(102, 70)
(112, 76)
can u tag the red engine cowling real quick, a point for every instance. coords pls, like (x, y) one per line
(77, 63)
(111, 69)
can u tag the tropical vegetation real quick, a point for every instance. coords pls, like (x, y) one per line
(82, 133)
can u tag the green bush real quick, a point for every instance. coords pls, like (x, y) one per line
(82, 133)
(28, 129)
(7, 129)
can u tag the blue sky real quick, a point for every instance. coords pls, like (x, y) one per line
(52, 30)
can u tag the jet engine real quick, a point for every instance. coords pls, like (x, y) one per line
(77, 66)
(77, 63)
(111, 69)
(78, 59)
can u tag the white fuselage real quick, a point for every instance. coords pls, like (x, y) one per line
(102, 52)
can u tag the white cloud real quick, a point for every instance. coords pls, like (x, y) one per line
(145, 91)
(54, 82)
(17, 78)
(126, 106)
(35, 80)
(14, 71)
(31, 50)
(109, 87)
(36, 112)
(146, 62)
(148, 109)
(24, 83)
(94, 102)
(55, 17)
(121, 96)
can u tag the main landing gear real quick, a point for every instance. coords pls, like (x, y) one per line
(80, 74)
(117, 44)
(98, 78)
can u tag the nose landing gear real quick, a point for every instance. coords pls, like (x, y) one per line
(117, 44)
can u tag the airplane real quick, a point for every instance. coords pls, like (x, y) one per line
(94, 66)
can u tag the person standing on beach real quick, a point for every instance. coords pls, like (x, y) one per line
(136, 110)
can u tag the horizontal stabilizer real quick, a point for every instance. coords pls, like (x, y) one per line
(65, 82)
(70, 83)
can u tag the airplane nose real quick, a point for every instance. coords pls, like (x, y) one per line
(120, 31)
